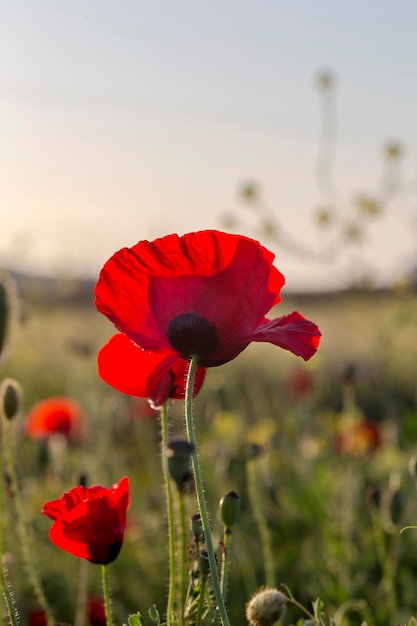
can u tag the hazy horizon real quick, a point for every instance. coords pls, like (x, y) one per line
(122, 123)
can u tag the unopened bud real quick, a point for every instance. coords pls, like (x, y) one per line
(197, 527)
(265, 607)
(10, 398)
(204, 564)
(230, 509)
(179, 453)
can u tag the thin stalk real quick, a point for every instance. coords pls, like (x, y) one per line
(387, 564)
(106, 595)
(261, 522)
(183, 552)
(200, 608)
(200, 491)
(170, 516)
(22, 525)
(82, 593)
(8, 597)
(227, 543)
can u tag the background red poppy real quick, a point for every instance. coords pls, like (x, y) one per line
(55, 415)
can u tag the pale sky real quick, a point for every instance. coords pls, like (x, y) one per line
(125, 120)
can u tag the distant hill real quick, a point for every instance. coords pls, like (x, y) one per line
(55, 290)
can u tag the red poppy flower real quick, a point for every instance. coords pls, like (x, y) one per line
(96, 613)
(204, 294)
(359, 439)
(90, 522)
(55, 415)
(153, 375)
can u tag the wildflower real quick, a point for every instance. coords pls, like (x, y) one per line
(89, 523)
(203, 294)
(358, 439)
(55, 415)
(155, 376)
(96, 614)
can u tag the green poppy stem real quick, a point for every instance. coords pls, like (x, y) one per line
(8, 597)
(183, 552)
(22, 523)
(253, 493)
(170, 515)
(200, 492)
(227, 542)
(106, 595)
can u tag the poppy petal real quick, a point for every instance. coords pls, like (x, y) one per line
(291, 332)
(143, 288)
(152, 375)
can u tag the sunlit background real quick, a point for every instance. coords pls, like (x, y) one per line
(293, 122)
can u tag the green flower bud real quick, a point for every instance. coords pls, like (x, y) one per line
(230, 509)
(10, 398)
(179, 453)
(197, 527)
(204, 564)
(265, 607)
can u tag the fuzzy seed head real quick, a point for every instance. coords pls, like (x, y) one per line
(265, 607)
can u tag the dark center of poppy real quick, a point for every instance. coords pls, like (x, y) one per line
(190, 333)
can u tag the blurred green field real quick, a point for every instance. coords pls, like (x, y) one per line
(327, 540)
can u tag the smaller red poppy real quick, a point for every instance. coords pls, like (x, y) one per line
(56, 415)
(359, 439)
(96, 614)
(89, 523)
(156, 376)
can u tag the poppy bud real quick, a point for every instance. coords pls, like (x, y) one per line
(179, 453)
(204, 564)
(230, 509)
(154, 614)
(197, 527)
(265, 607)
(10, 398)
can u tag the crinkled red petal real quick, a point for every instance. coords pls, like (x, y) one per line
(152, 375)
(227, 279)
(291, 332)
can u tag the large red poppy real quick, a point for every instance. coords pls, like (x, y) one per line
(90, 522)
(205, 293)
(55, 415)
(156, 376)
